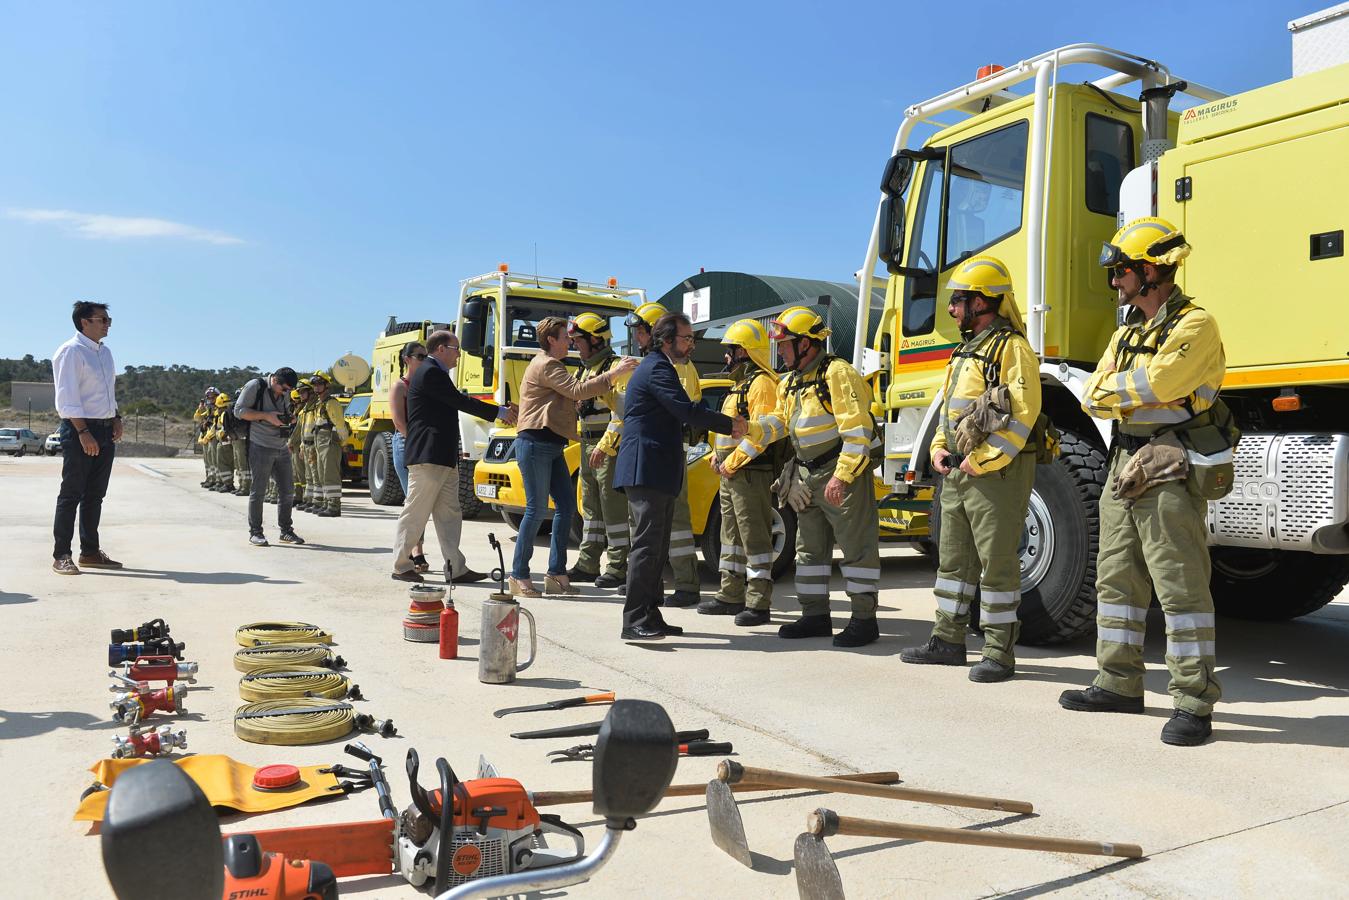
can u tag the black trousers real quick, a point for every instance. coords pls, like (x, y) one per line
(652, 513)
(84, 482)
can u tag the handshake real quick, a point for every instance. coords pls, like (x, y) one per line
(511, 414)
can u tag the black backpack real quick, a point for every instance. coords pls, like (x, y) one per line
(235, 427)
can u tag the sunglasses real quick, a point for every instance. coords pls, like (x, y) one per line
(106, 320)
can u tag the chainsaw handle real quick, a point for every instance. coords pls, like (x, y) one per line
(706, 748)
(683, 737)
(606, 697)
(419, 797)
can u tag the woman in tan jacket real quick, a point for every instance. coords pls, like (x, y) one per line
(548, 398)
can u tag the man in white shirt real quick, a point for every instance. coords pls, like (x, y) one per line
(86, 401)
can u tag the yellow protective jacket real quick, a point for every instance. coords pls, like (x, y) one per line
(754, 396)
(1161, 372)
(817, 428)
(305, 421)
(202, 419)
(688, 377)
(997, 355)
(595, 417)
(328, 411)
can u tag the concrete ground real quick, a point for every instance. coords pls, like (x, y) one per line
(1262, 810)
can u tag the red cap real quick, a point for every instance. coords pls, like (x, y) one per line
(274, 778)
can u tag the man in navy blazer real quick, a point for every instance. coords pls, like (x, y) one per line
(651, 465)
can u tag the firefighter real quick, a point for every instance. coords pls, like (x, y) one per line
(330, 430)
(747, 473)
(224, 446)
(243, 474)
(683, 555)
(990, 408)
(604, 512)
(299, 396)
(202, 419)
(1158, 381)
(304, 423)
(826, 408)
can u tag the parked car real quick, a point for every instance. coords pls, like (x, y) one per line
(18, 441)
(53, 445)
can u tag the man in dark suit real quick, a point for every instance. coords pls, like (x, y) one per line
(651, 464)
(432, 455)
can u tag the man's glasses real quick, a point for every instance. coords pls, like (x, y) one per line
(685, 337)
(106, 320)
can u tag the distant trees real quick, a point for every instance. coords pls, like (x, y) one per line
(141, 390)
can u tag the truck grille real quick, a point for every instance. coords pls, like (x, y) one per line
(1286, 489)
(499, 450)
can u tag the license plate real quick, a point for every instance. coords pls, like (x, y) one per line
(486, 490)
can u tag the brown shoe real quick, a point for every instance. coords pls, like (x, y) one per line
(98, 560)
(64, 565)
(410, 575)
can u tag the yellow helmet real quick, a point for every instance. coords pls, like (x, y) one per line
(222, 399)
(1149, 239)
(590, 324)
(647, 314)
(319, 376)
(749, 334)
(985, 275)
(295, 395)
(798, 321)
(305, 385)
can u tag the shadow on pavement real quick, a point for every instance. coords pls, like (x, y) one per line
(23, 724)
(8, 599)
(1058, 884)
(316, 546)
(196, 577)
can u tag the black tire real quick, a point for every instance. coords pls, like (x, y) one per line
(1274, 585)
(470, 507)
(1060, 603)
(380, 473)
(22, 450)
(784, 541)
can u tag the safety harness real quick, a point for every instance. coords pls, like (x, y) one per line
(797, 385)
(588, 407)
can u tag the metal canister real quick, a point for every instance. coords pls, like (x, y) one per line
(498, 640)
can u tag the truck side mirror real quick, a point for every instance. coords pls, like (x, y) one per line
(471, 337)
(892, 234)
(898, 171)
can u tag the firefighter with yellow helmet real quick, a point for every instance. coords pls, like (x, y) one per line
(202, 419)
(299, 396)
(224, 448)
(747, 472)
(1158, 381)
(986, 448)
(604, 512)
(825, 407)
(304, 423)
(242, 473)
(330, 430)
(683, 554)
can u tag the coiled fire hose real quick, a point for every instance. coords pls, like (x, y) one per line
(303, 720)
(257, 633)
(273, 682)
(250, 659)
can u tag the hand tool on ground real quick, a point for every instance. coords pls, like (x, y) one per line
(375, 766)
(256, 633)
(817, 876)
(136, 700)
(728, 829)
(271, 682)
(161, 840)
(692, 748)
(160, 668)
(120, 653)
(594, 728)
(587, 700)
(231, 785)
(250, 659)
(291, 721)
(141, 742)
(499, 573)
(146, 631)
(565, 798)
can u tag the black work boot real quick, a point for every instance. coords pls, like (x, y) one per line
(1186, 729)
(1095, 699)
(608, 581)
(987, 671)
(935, 652)
(858, 633)
(580, 576)
(751, 617)
(715, 607)
(807, 626)
(682, 598)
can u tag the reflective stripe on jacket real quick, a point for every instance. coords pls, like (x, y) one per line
(815, 430)
(761, 398)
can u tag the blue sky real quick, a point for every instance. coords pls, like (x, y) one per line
(253, 183)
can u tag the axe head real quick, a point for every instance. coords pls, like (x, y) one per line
(728, 829)
(817, 877)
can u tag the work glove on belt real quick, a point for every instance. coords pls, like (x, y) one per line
(1160, 460)
(991, 412)
(790, 489)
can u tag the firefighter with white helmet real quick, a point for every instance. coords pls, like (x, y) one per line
(202, 419)
(825, 407)
(1158, 381)
(604, 511)
(747, 472)
(986, 448)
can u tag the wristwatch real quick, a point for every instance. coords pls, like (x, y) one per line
(83, 431)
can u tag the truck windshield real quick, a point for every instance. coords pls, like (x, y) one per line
(985, 191)
(357, 407)
(523, 317)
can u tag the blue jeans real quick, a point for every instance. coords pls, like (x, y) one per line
(399, 461)
(545, 473)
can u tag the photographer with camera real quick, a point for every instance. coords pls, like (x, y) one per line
(265, 405)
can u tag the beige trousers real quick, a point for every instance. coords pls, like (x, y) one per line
(433, 493)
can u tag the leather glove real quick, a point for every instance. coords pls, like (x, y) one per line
(968, 436)
(791, 490)
(1161, 460)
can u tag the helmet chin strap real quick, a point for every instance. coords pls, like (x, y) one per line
(799, 362)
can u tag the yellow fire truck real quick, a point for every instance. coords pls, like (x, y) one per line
(1040, 178)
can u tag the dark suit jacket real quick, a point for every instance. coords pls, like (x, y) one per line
(434, 404)
(655, 410)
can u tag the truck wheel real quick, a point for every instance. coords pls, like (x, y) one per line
(470, 507)
(383, 479)
(22, 450)
(1273, 585)
(784, 541)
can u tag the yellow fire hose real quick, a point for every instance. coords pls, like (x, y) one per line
(303, 720)
(257, 633)
(275, 682)
(250, 659)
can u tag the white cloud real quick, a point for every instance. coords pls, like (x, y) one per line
(115, 228)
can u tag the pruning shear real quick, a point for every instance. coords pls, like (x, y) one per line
(691, 748)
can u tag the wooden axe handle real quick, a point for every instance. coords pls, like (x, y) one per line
(732, 772)
(560, 798)
(824, 822)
